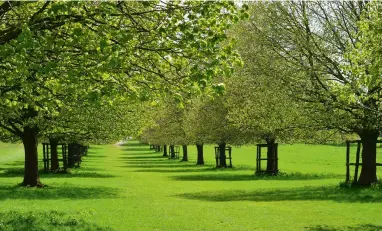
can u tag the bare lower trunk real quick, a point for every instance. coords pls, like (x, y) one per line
(271, 164)
(369, 158)
(54, 165)
(172, 151)
(185, 153)
(200, 160)
(164, 150)
(31, 177)
(222, 157)
(71, 154)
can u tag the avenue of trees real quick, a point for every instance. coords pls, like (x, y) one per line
(67, 67)
(171, 73)
(311, 70)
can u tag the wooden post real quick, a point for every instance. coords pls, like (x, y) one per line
(258, 159)
(230, 156)
(347, 161)
(276, 158)
(357, 161)
(64, 157)
(47, 156)
(44, 156)
(217, 156)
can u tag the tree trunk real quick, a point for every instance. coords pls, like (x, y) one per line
(271, 164)
(172, 151)
(164, 150)
(185, 153)
(71, 153)
(222, 157)
(31, 177)
(369, 157)
(200, 160)
(54, 165)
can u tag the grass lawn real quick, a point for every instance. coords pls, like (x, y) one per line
(133, 188)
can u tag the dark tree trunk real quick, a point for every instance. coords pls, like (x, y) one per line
(369, 157)
(172, 151)
(185, 153)
(31, 177)
(222, 157)
(71, 153)
(200, 160)
(54, 165)
(164, 150)
(271, 164)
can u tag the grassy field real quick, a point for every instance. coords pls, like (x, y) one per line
(133, 188)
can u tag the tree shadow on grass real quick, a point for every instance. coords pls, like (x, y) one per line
(365, 227)
(15, 163)
(94, 147)
(127, 153)
(134, 149)
(291, 194)
(91, 156)
(134, 145)
(57, 193)
(252, 177)
(144, 161)
(19, 172)
(189, 168)
(143, 157)
(49, 220)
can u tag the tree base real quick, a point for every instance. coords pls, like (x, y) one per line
(266, 173)
(37, 185)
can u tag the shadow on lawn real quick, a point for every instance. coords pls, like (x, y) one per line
(143, 157)
(92, 156)
(183, 168)
(19, 172)
(134, 149)
(48, 220)
(365, 227)
(293, 194)
(57, 193)
(249, 177)
(94, 147)
(128, 144)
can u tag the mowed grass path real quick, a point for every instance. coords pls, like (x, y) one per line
(133, 188)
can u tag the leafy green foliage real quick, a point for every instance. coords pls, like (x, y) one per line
(56, 53)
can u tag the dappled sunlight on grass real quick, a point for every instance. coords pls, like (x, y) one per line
(131, 187)
(365, 227)
(335, 194)
(250, 177)
(49, 220)
(74, 192)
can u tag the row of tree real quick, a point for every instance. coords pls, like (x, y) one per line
(311, 70)
(77, 71)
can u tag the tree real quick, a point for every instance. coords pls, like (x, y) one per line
(206, 122)
(53, 52)
(166, 127)
(259, 103)
(322, 39)
(96, 123)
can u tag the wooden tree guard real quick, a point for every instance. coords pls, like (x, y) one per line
(47, 156)
(152, 146)
(175, 154)
(274, 159)
(75, 153)
(357, 159)
(228, 150)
